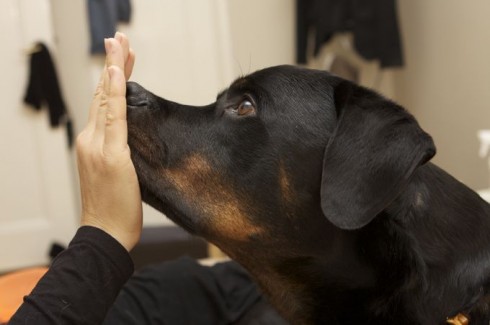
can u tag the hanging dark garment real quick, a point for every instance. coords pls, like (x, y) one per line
(103, 18)
(43, 89)
(373, 23)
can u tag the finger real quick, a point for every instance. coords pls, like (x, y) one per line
(116, 130)
(128, 54)
(102, 107)
(128, 68)
(116, 90)
(123, 40)
(114, 53)
(94, 106)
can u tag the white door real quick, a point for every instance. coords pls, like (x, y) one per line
(37, 199)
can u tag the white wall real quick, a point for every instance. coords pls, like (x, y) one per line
(446, 80)
(262, 33)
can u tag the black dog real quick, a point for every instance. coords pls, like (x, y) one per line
(322, 190)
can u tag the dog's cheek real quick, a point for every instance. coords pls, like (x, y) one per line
(288, 198)
(146, 147)
(221, 212)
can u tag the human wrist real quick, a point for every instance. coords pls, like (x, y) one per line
(125, 238)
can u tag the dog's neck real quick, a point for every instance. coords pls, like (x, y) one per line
(417, 239)
(444, 228)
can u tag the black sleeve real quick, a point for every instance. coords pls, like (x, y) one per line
(81, 284)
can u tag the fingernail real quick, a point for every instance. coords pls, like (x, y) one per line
(118, 36)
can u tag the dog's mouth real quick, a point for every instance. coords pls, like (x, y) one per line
(143, 149)
(148, 153)
(140, 119)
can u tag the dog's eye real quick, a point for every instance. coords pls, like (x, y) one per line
(246, 107)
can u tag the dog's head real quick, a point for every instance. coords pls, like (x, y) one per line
(282, 157)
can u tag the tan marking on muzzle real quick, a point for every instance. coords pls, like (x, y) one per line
(459, 319)
(225, 211)
(285, 185)
(146, 147)
(288, 196)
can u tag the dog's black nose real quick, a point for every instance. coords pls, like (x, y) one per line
(136, 96)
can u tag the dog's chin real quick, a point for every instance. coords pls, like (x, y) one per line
(153, 190)
(146, 180)
(168, 209)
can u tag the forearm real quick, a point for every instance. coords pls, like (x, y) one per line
(81, 284)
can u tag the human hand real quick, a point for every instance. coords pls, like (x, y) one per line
(109, 186)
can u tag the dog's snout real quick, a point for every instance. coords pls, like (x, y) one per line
(136, 95)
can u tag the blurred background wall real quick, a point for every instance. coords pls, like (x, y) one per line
(446, 79)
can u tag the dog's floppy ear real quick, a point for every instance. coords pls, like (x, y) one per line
(374, 150)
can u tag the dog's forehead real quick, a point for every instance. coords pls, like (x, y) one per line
(280, 84)
(269, 76)
(285, 80)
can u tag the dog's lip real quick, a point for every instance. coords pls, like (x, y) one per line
(136, 102)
